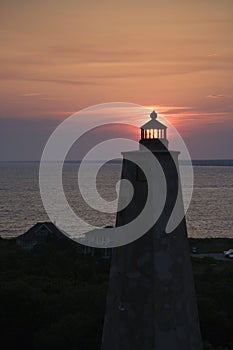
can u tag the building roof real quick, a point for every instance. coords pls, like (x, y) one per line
(153, 123)
(35, 230)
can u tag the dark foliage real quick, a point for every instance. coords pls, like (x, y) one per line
(53, 297)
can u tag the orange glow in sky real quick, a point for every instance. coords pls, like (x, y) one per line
(58, 57)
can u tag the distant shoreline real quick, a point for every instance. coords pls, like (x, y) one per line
(213, 162)
(195, 162)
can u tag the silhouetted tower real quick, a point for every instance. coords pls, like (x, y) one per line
(151, 303)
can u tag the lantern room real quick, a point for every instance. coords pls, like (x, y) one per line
(154, 133)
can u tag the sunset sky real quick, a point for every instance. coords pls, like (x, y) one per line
(58, 57)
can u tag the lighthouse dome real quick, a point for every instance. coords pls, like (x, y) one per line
(154, 134)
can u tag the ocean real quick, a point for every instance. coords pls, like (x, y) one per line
(210, 213)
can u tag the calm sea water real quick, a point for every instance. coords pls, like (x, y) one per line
(210, 213)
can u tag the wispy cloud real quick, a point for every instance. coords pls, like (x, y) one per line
(19, 77)
(31, 94)
(41, 96)
(214, 96)
(62, 58)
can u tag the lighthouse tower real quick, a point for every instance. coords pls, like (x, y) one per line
(151, 303)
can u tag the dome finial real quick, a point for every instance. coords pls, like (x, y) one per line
(153, 115)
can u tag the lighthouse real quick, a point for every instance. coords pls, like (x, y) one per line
(154, 134)
(151, 302)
